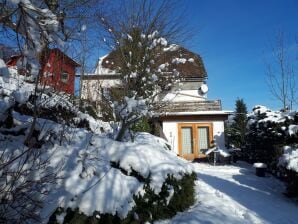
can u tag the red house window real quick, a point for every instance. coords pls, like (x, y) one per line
(64, 77)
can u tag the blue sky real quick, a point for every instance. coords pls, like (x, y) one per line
(233, 36)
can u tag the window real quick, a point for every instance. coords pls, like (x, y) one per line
(64, 77)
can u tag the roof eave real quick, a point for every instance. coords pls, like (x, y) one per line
(222, 112)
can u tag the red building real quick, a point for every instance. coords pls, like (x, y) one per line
(12, 62)
(57, 68)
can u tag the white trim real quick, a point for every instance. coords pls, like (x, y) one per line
(186, 94)
(221, 112)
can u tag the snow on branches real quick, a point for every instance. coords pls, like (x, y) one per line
(289, 159)
(270, 131)
(131, 109)
(144, 73)
(36, 26)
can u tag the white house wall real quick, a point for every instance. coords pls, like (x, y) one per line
(91, 89)
(170, 129)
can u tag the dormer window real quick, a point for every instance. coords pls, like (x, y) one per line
(64, 77)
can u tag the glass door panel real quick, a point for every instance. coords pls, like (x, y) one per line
(203, 138)
(187, 143)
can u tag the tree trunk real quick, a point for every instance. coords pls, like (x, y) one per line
(41, 62)
(120, 135)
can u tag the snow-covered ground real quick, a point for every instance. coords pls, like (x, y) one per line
(95, 173)
(78, 166)
(234, 194)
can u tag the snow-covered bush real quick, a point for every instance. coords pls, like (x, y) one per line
(143, 125)
(267, 132)
(88, 108)
(272, 138)
(289, 161)
(25, 179)
(73, 166)
(26, 174)
(119, 179)
(175, 196)
(19, 95)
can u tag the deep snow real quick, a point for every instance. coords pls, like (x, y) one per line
(93, 170)
(234, 194)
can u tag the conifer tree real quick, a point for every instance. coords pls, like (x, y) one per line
(237, 129)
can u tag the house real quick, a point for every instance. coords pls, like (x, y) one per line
(58, 69)
(188, 120)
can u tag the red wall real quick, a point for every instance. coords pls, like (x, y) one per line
(58, 64)
(13, 61)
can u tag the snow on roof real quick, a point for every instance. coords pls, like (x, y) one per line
(172, 47)
(101, 70)
(187, 63)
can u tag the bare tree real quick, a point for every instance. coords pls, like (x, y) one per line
(25, 171)
(138, 32)
(35, 25)
(281, 74)
(24, 182)
(167, 17)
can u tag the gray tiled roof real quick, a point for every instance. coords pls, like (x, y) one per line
(190, 106)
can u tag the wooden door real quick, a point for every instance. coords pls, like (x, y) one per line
(193, 139)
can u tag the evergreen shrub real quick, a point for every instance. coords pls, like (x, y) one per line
(267, 134)
(143, 125)
(149, 207)
(292, 180)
